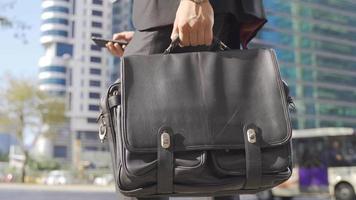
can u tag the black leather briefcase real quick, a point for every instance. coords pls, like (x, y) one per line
(198, 124)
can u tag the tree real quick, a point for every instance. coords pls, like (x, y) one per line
(23, 106)
(20, 28)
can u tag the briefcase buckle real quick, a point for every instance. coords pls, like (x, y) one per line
(251, 136)
(165, 140)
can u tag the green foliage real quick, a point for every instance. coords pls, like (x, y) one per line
(22, 107)
(25, 106)
(4, 158)
(4, 22)
(43, 164)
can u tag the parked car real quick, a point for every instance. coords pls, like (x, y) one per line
(106, 179)
(58, 177)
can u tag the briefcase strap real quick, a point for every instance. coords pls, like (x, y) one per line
(253, 157)
(165, 168)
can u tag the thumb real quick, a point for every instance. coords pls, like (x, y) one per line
(122, 36)
(175, 32)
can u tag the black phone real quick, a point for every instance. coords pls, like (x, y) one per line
(102, 42)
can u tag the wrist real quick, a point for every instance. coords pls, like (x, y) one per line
(197, 1)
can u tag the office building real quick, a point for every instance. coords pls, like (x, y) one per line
(6, 141)
(121, 21)
(315, 41)
(75, 69)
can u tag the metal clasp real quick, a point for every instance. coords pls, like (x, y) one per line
(251, 136)
(102, 128)
(165, 140)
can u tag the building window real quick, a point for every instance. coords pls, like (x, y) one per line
(55, 33)
(95, 47)
(91, 135)
(94, 95)
(95, 71)
(96, 35)
(73, 6)
(94, 107)
(56, 9)
(63, 48)
(96, 24)
(73, 29)
(90, 148)
(61, 69)
(98, 2)
(56, 93)
(92, 120)
(97, 13)
(57, 81)
(56, 21)
(94, 83)
(60, 151)
(95, 59)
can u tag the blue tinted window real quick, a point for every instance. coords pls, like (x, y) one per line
(56, 21)
(73, 29)
(95, 83)
(97, 13)
(63, 48)
(95, 71)
(92, 120)
(94, 95)
(98, 2)
(95, 59)
(53, 69)
(56, 9)
(58, 81)
(60, 151)
(94, 107)
(56, 93)
(96, 24)
(55, 33)
(95, 47)
(90, 148)
(96, 35)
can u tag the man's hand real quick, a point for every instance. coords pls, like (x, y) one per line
(194, 23)
(116, 49)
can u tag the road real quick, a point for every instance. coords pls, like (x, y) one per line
(21, 192)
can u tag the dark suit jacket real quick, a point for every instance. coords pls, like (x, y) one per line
(250, 14)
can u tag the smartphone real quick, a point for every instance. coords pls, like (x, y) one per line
(102, 42)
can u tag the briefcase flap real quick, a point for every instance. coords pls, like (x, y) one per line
(207, 99)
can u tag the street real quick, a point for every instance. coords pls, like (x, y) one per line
(23, 192)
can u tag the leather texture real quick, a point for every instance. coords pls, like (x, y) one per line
(226, 114)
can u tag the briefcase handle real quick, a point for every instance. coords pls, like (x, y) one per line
(221, 46)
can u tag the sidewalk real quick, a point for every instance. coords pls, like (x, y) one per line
(67, 188)
(84, 188)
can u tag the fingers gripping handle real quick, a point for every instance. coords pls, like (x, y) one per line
(216, 42)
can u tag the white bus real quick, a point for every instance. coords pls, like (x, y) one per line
(324, 164)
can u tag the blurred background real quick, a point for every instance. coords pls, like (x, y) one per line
(52, 77)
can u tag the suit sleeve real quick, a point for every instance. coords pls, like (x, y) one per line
(252, 19)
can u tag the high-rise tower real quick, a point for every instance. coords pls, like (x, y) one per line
(77, 70)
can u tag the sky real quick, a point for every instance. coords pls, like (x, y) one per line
(17, 58)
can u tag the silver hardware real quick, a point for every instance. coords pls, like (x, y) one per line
(102, 130)
(165, 140)
(251, 135)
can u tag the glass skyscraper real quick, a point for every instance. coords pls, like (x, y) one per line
(121, 21)
(315, 41)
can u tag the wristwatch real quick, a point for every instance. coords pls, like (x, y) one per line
(199, 1)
